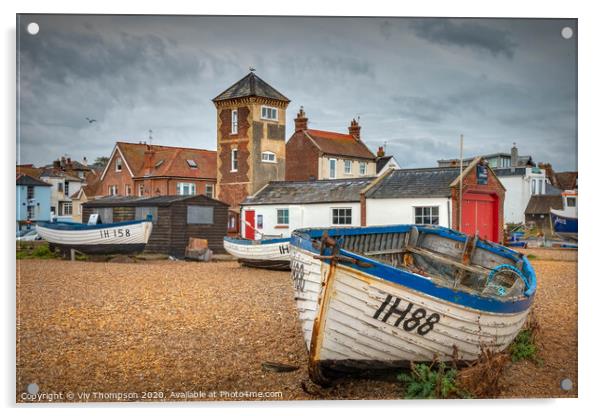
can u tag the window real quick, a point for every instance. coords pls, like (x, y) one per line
(533, 187)
(234, 122)
(59, 186)
(493, 162)
(199, 215)
(128, 190)
(67, 208)
(268, 157)
(118, 164)
(192, 163)
(113, 190)
(269, 113)
(30, 192)
(282, 216)
(234, 167)
(209, 190)
(259, 221)
(571, 201)
(140, 190)
(66, 188)
(541, 188)
(30, 212)
(185, 188)
(341, 216)
(362, 168)
(426, 215)
(143, 212)
(332, 168)
(347, 167)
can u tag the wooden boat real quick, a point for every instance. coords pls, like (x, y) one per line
(116, 238)
(382, 297)
(268, 253)
(565, 221)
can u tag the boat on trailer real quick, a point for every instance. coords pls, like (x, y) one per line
(378, 298)
(267, 253)
(116, 238)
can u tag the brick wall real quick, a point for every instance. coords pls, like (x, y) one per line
(112, 177)
(302, 158)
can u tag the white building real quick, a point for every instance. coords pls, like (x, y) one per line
(63, 186)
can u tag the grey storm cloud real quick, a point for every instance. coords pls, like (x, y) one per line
(416, 84)
(468, 34)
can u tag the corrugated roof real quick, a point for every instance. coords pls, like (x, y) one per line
(26, 180)
(541, 204)
(309, 192)
(121, 201)
(251, 86)
(332, 143)
(411, 183)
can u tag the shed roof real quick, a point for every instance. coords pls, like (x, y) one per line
(251, 86)
(309, 192)
(541, 204)
(339, 144)
(411, 183)
(165, 200)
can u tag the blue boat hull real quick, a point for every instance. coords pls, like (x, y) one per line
(565, 227)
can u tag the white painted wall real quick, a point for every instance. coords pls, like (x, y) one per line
(518, 193)
(300, 216)
(401, 211)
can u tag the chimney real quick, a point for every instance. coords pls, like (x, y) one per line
(513, 155)
(301, 120)
(56, 164)
(149, 155)
(354, 129)
(381, 151)
(85, 161)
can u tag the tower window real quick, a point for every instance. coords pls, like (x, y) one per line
(234, 167)
(234, 122)
(269, 113)
(118, 164)
(268, 157)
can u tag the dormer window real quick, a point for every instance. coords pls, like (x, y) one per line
(269, 113)
(234, 122)
(192, 163)
(118, 164)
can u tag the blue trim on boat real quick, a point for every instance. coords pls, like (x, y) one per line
(303, 238)
(244, 241)
(70, 226)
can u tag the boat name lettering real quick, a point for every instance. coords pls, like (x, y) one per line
(411, 320)
(284, 248)
(298, 275)
(115, 232)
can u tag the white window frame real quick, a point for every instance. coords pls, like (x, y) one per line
(118, 164)
(266, 115)
(288, 218)
(268, 157)
(573, 199)
(234, 122)
(207, 187)
(348, 166)
(128, 190)
(190, 188)
(332, 170)
(234, 160)
(113, 190)
(363, 168)
(341, 216)
(430, 215)
(141, 190)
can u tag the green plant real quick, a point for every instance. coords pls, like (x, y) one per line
(428, 382)
(523, 347)
(41, 251)
(531, 256)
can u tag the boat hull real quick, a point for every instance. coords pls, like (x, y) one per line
(272, 254)
(355, 320)
(118, 238)
(564, 226)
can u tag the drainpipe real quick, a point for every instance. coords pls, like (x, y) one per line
(461, 181)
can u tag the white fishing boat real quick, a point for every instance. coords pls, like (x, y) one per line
(382, 297)
(267, 253)
(115, 238)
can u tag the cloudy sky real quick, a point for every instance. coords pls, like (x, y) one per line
(416, 84)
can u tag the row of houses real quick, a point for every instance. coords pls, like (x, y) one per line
(272, 185)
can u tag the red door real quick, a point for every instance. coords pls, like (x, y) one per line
(479, 216)
(250, 225)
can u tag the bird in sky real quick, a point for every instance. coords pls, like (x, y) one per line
(91, 120)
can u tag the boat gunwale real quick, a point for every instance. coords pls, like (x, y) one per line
(247, 242)
(68, 226)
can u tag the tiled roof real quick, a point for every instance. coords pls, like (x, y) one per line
(309, 192)
(566, 180)
(541, 204)
(332, 143)
(29, 170)
(381, 162)
(410, 183)
(251, 86)
(26, 180)
(175, 160)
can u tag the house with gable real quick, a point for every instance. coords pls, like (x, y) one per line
(140, 169)
(33, 201)
(318, 154)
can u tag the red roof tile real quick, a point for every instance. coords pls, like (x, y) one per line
(340, 144)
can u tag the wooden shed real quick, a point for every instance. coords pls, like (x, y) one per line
(175, 219)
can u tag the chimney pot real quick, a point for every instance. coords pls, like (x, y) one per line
(354, 129)
(381, 151)
(301, 120)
